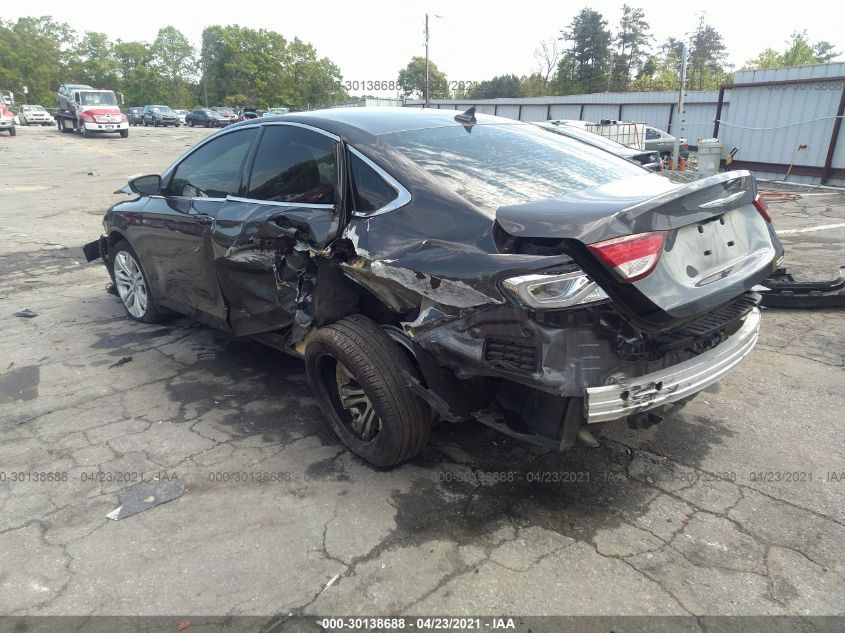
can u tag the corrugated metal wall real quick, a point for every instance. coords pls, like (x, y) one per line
(793, 114)
(799, 112)
(651, 108)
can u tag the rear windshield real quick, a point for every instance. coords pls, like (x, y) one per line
(497, 165)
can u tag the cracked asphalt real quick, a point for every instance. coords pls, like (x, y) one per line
(733, 505)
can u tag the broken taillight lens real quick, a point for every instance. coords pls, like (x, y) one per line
(633, 256)
(762, 208)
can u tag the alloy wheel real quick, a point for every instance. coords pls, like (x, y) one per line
(361, 418)
(130, 284)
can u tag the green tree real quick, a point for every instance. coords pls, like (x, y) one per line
(799, 52)
(412, 80)
(34, 53)
(173, 58)
(94, 62)
(706, 66)
(632, 43)
(587, 59)
(265, 70)
(499, 86)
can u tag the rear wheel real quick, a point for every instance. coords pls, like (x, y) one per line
(357, 373)
(131, 284)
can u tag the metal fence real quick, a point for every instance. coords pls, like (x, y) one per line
(784, 120)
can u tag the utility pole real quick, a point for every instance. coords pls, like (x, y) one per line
(681, 89)
(426, 60)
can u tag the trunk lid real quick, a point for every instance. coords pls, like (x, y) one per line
(717, 245)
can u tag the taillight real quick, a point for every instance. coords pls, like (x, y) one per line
(762, 208)
(633, 256)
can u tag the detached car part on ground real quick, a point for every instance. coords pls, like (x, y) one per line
(782, 291)
(438, 267)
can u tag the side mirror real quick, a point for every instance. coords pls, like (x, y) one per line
(146, 185)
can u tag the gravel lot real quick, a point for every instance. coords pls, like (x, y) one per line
(733, 506)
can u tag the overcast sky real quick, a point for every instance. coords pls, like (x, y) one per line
(373, 39)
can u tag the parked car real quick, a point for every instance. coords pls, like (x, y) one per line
(648, 159)
(432, 266)
(7, 120)
(662, 142)
(181, 114)
(135, 115)
(206, 118)
(34, 115)
(159, 115)
(250, 113)
(228, 114)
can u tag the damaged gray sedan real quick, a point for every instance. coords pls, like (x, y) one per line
(433, 267)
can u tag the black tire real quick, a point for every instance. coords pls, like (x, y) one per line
(152, 314)
(13, 131)
(377, 366)
(124, 133)
(84, 130)
(145, 122)
(190, 124)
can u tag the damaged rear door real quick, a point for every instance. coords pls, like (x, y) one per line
(263, 240)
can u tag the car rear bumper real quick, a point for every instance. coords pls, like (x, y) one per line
(674, 383)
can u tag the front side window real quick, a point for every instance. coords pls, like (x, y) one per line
(651, 134)
(215, 169)
(294, 164)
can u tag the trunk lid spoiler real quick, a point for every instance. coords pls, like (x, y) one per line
(651, 202)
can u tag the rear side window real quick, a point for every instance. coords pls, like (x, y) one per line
(370, 191)
(214, 170)
(294, 164)
(493, 165)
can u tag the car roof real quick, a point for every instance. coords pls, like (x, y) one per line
(363, 122)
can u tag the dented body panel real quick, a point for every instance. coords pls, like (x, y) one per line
(430, 269)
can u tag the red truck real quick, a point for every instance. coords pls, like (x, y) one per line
(89, 111)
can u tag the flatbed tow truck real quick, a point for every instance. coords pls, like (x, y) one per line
(89, 111)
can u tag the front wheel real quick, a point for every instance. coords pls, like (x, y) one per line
(13, 131)
(358, 376)
(190, 124)
(132, 285)
(124, 133)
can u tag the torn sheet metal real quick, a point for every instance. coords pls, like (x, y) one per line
(146, 495)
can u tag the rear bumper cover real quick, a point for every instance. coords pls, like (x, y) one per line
(633, 395)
